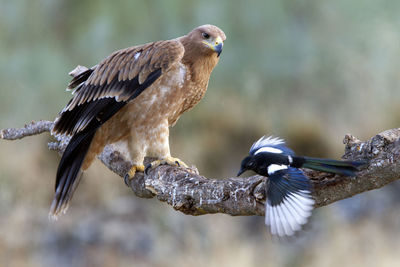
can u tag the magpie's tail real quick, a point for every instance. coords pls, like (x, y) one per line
(346, 168)
(69, 171)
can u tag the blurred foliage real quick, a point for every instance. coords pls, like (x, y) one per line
(308, 71)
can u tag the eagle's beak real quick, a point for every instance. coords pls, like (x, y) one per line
(216, 45)
(241, 171)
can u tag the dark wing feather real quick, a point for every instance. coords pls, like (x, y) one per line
(80, 74)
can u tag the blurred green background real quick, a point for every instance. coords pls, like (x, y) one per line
(308, 71)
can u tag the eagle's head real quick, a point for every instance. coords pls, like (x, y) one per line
(206, 40)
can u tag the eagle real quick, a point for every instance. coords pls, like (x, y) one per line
(133, 96)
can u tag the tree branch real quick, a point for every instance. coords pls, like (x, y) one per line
(187, 191)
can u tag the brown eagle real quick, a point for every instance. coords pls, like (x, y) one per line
(133, 96)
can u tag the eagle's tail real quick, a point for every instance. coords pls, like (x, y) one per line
(347, 168)
(69, 171)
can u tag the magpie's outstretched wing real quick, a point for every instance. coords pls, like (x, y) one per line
(289, 202)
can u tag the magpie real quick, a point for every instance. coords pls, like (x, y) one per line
(289, 201)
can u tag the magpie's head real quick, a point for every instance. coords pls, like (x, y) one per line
(248, 163)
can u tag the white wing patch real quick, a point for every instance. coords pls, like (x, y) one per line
(136, 56)
(266, 142)
(275, 167)
(268, 149)
(288, 217)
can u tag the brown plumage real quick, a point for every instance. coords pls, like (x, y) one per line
(133, 96)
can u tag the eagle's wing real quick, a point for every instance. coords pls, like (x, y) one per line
(104, 89)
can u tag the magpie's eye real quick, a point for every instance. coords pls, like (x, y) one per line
(205, 35)
(251, 164)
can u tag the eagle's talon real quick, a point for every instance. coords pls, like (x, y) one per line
(180, 163)
(146, 170)
(166, 161)
(131, 173)
(126, 179)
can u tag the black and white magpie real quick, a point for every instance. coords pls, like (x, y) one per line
(289, 201)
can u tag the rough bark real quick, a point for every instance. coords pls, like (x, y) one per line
(187, 191)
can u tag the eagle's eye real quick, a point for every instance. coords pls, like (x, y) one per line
(205, 35)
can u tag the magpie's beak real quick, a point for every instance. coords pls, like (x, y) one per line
(242, 170)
